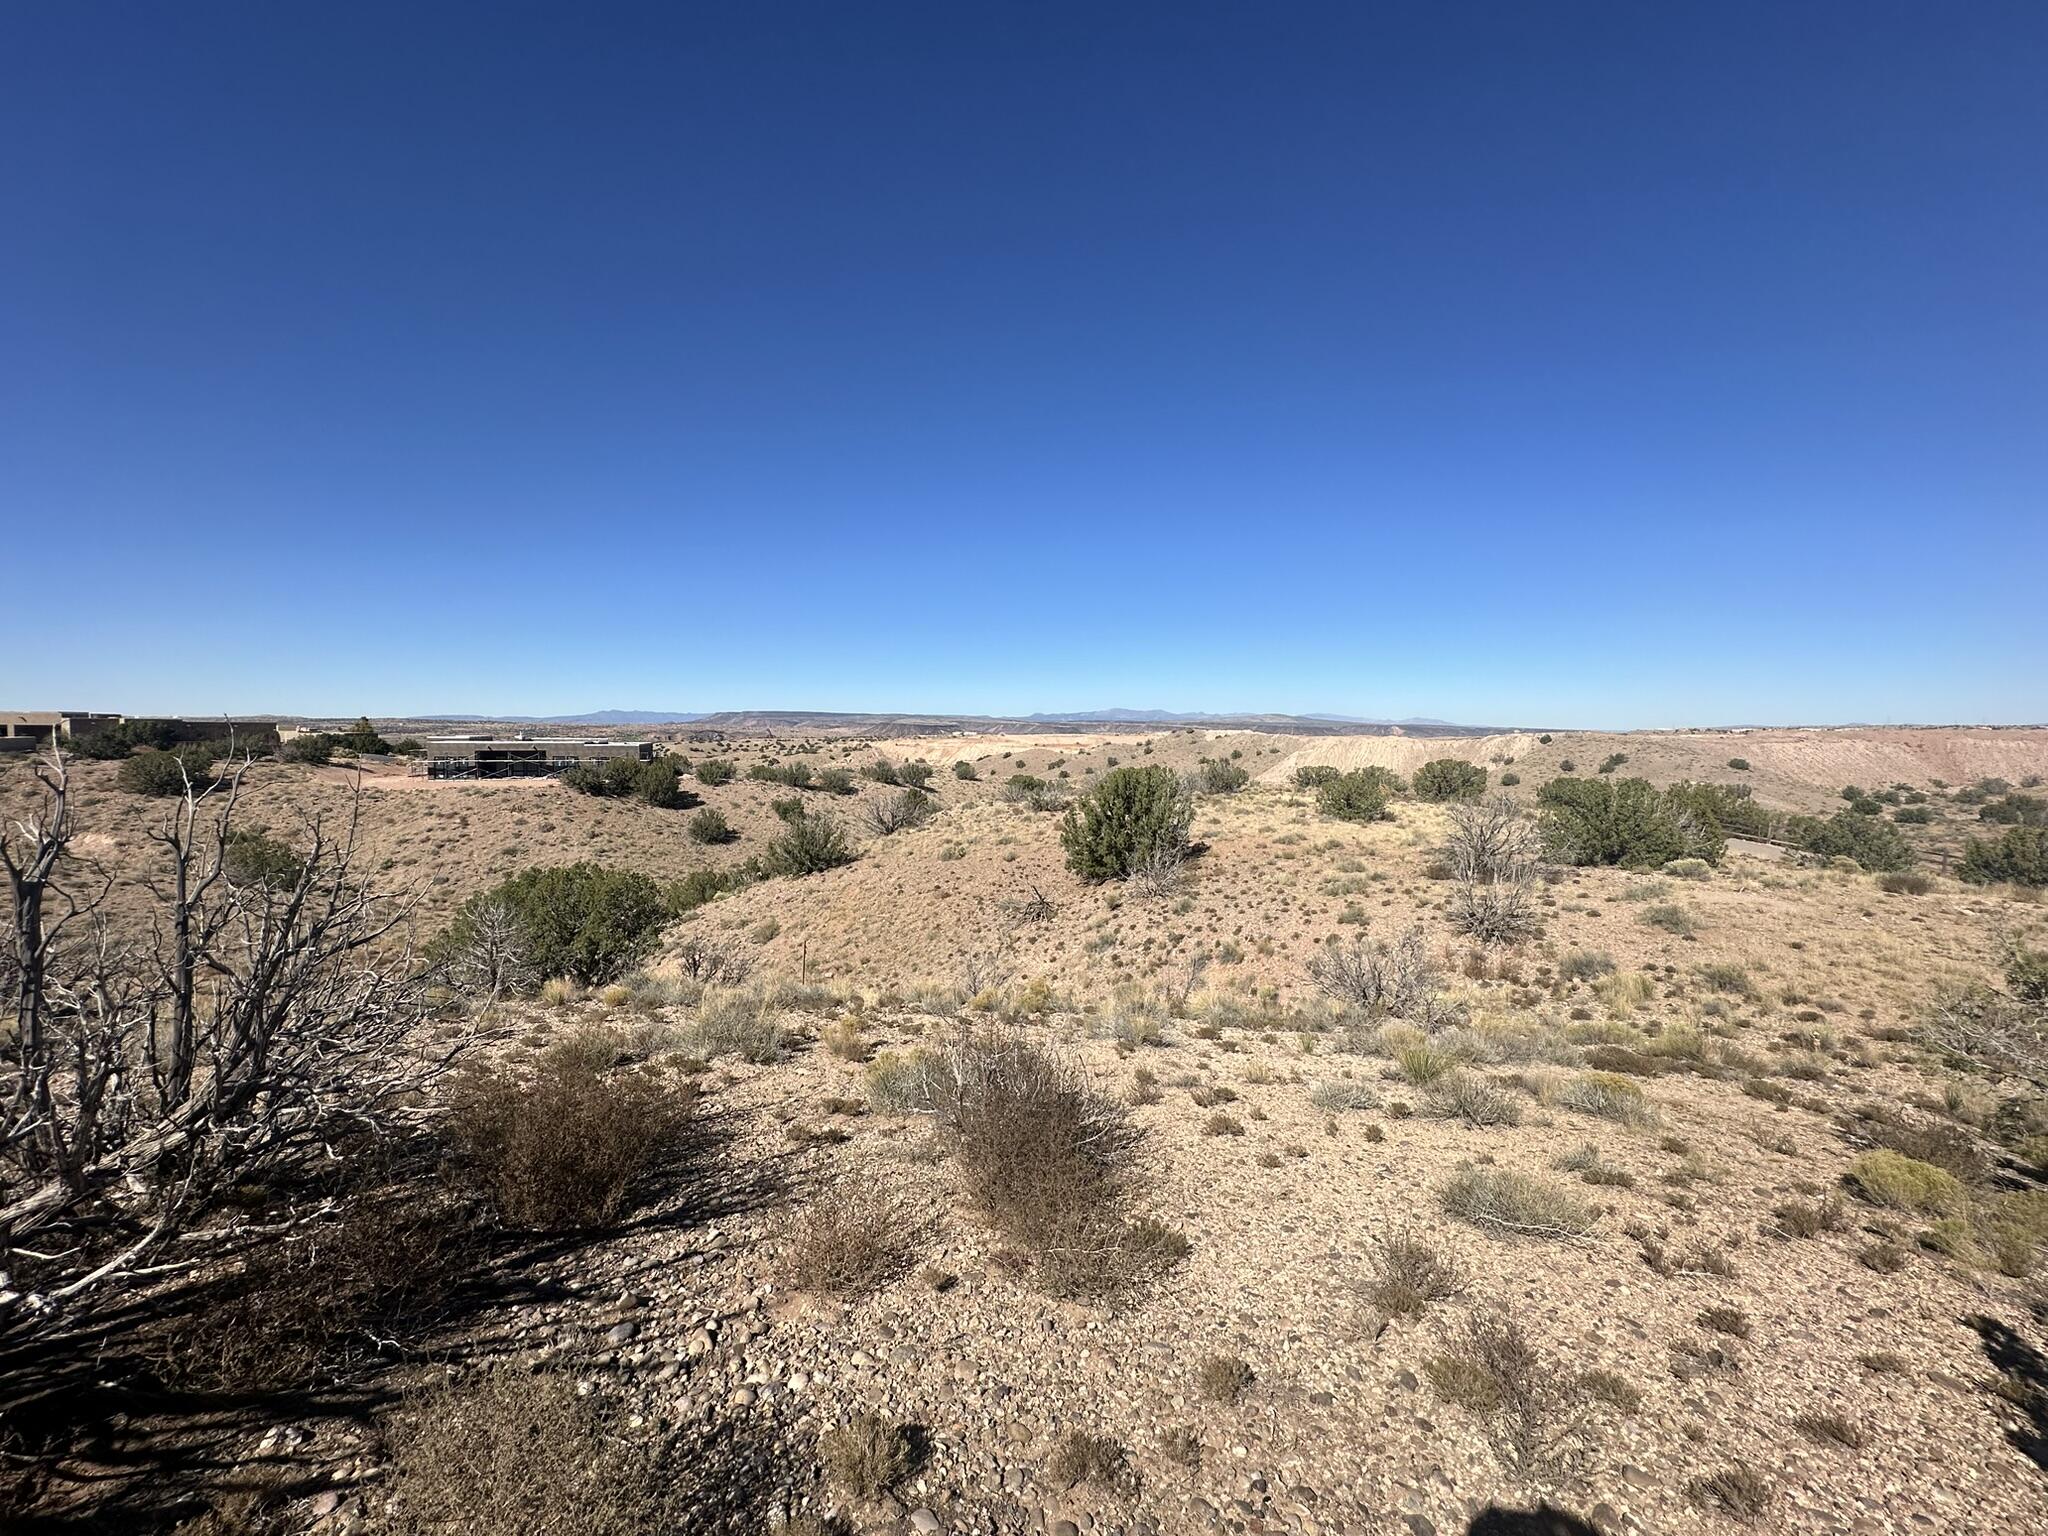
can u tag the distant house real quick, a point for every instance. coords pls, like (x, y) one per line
(33, 729)
(29, 730)
(522, 757)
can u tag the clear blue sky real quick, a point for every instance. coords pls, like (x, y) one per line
(1594, 364)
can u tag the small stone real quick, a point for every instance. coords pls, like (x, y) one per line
(924, 1520)
(622, 1333)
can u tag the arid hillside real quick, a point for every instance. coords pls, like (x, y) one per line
(938, 1188)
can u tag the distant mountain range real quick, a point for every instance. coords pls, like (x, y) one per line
(836, 722)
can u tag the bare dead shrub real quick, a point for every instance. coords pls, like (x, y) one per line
(254, 1022)
(712, 962)
(1047, 1159)
(1378, 980)
(1539, 1417)
(559, 1147)
(1492, 853)
(849, 1241)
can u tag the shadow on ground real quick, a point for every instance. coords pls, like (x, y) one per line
(2022, 1381)
(1543, 1520)
(117, 1446)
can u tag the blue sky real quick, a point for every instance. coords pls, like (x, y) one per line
(1603, 365)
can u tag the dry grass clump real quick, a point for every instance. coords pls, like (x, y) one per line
(1830, 1429)
(866, 1456)
(1473, 1098)
(1519, 1204)
(741, 1024)
(1408, 1274)
(1742, 1492)
(1732, 1321)
(1586, 1162)
(1609, 1095)
(561, 1146)
(514, 1453)
(1539, 1417)
(1586, 965)
(1799, 1218)
(1048, 1159)
(1079, 1457)
(1337, 1094)
(849, 1241)
(1903, 1183)
(900, 1083)
(1223, 1378)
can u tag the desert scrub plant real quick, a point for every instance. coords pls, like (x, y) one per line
(1357, 796)
(1336, 1095)
(1449, 778)
(1079, 1457)
(514, 1452)
(1608, 1095)
(1901, 1183)
(1131, 816)
(896, 813)
(866, 1456)
(559, 1148)
(1474, 1098)
(1376, 980)
(1218, 776)
(1314, 775)
(1874, 844)
(710, 826)
(584, 921)
(1539, 1417)
(1047, 1159)
(1518, 1204)
(900, 1082)
(162, 774)
(1223, 1378)
(965, 771)
(714, 771)
(1626, 822)
(1407, 1274)
(2018, 857)
(853, 1239)
(809, 843)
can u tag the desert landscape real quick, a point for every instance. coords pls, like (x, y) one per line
(1342, 1165)
(1023, 770)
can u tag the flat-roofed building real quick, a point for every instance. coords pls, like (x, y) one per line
(519, 757)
